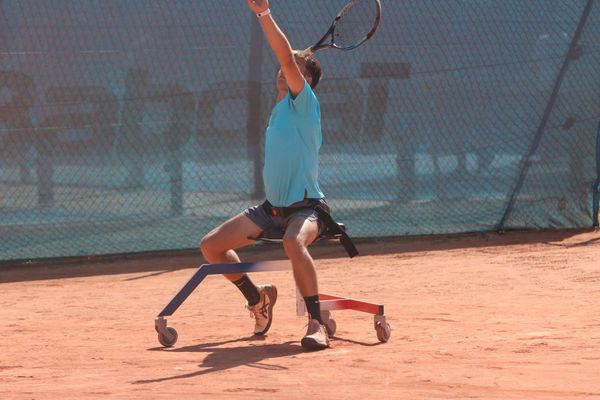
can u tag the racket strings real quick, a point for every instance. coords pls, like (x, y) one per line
(356, 21)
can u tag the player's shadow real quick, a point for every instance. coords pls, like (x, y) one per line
(222, 358)
(366, 344)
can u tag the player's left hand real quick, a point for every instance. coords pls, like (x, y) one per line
(258, 6)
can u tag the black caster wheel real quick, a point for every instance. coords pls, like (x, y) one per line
(329, 323)
(168, 340)
(383, 329)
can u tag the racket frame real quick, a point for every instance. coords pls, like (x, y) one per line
(331, 31)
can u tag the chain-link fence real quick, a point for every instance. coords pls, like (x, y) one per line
(136, 125)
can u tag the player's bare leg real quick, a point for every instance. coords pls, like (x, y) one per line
(298, 236)
(218, 247)
(219, 244)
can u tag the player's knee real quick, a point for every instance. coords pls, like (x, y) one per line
(207, 245)
(293, 246)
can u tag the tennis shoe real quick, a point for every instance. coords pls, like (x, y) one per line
(263, 310)
(316, 337)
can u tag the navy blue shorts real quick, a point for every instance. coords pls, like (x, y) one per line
(268, 222)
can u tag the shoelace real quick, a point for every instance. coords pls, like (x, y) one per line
(262, 310)
(318, 328)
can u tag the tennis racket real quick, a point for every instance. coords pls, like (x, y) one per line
(352, 26)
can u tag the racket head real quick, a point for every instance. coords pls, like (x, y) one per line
(356, 23)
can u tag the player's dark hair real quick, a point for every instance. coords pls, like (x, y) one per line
(312, 65)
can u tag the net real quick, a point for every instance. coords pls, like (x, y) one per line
(136, 125)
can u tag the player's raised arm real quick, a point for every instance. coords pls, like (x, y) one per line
(280, 45)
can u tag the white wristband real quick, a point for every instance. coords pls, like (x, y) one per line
(262, 14)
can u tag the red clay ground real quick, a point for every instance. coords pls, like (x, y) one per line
(513, 316)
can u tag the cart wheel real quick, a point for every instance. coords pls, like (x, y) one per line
(384, 331)
(168, 340)
(329, 322)
(331, 327)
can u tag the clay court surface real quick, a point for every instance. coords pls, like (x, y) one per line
(512, 316)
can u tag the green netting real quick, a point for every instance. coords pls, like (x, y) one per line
(130, 125)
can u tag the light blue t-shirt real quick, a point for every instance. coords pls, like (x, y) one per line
(292, 146)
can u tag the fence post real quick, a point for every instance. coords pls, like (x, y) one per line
(45, 171)
(254, 95)
(596, 188)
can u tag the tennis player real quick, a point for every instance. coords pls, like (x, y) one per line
(293, 140)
